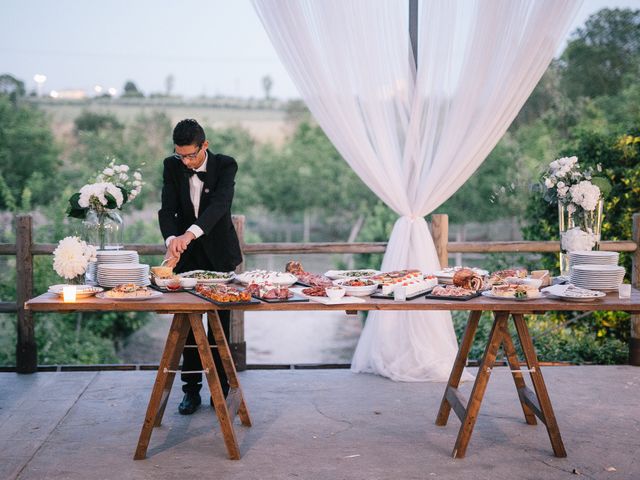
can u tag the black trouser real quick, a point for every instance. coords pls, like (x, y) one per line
(195, 259)
(191, 359)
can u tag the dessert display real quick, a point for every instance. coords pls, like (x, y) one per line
(128, 290)
(413, 281)
(468, 279)
(312, 279)
(223, 293)
(269, 291)
(266, 276)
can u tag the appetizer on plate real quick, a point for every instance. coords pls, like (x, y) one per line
(266, 276)
(129, 290)
(510, 290)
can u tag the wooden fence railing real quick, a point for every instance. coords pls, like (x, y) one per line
(24, 250)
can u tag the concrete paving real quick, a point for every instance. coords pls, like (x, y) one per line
(317, 424)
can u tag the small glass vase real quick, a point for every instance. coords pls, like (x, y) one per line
(77, 280)
(579, 230)
(104, 229)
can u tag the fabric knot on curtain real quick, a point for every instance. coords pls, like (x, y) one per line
(414, 136)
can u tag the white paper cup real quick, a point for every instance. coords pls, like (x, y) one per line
(624, 290)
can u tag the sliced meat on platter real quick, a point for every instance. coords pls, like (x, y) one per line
(451, 291)
(269, 291)
(315, 291)
(305, 277)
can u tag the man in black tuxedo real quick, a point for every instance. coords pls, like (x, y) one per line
(195, 221)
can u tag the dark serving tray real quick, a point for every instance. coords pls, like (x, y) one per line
(410, 297)
(253, 300)
(295, 298)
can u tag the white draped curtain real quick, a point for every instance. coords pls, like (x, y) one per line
(414, 137)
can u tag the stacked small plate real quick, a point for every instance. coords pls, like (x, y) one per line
(117, 256)
(114, 274)
(597, 277)
(593, 257)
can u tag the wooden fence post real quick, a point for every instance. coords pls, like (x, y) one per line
(634, 337)
(440, 234)
(26, 349)
(237, 343)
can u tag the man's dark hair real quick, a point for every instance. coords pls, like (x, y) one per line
(188, 132)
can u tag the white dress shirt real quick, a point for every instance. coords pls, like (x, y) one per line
(195, 191)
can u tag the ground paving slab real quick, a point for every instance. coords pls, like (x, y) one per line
(317, 424)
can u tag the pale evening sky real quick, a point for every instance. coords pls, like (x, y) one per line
(209, 46)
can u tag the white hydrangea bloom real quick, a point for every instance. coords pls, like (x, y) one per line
(585, 194)
(72, 256)
(577, 239)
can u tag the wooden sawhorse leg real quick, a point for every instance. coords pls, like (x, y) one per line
(164, 381)
(542, 407)
(235, 398)
(532, 406)
(226, 410)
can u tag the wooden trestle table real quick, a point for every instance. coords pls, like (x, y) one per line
(187, 310)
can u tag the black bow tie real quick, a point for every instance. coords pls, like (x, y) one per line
(201, 175)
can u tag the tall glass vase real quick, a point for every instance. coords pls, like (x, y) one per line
(579, 230)
(104, 229)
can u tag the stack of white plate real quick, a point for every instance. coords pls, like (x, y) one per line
(117, 256)
(114, 274)
(597, 277)
(593, 257)
(109, 256)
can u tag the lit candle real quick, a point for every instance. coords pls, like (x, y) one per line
(69, 293)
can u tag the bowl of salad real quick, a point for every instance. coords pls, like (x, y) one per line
(357, 287)
(208, 277)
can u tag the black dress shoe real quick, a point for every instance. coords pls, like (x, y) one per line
(190, 403)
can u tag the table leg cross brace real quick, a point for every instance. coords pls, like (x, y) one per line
(166, 370)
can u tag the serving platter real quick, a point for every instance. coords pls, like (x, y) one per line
(447, 297)
(517, 299)
(390, 296)
(219, 277)
(252, 301)
(103, 295)
(359, 273)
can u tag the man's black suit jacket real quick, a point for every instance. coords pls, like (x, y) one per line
(219, 241)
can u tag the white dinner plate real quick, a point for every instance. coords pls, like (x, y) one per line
(497, 297)
(82, 291)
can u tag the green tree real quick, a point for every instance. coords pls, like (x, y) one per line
(29, 162)
(604, 56)
(12, 87)
(131, 90)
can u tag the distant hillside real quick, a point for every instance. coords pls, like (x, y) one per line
(266, 121)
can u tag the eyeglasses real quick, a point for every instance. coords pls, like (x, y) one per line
(189, 156)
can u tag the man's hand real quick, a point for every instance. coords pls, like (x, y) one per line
(179, 244)
(170, 261)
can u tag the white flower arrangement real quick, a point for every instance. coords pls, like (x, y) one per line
(72, 256)
(578, 190)
(113, 187)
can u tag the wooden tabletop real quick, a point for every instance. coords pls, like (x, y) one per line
(182, 302)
